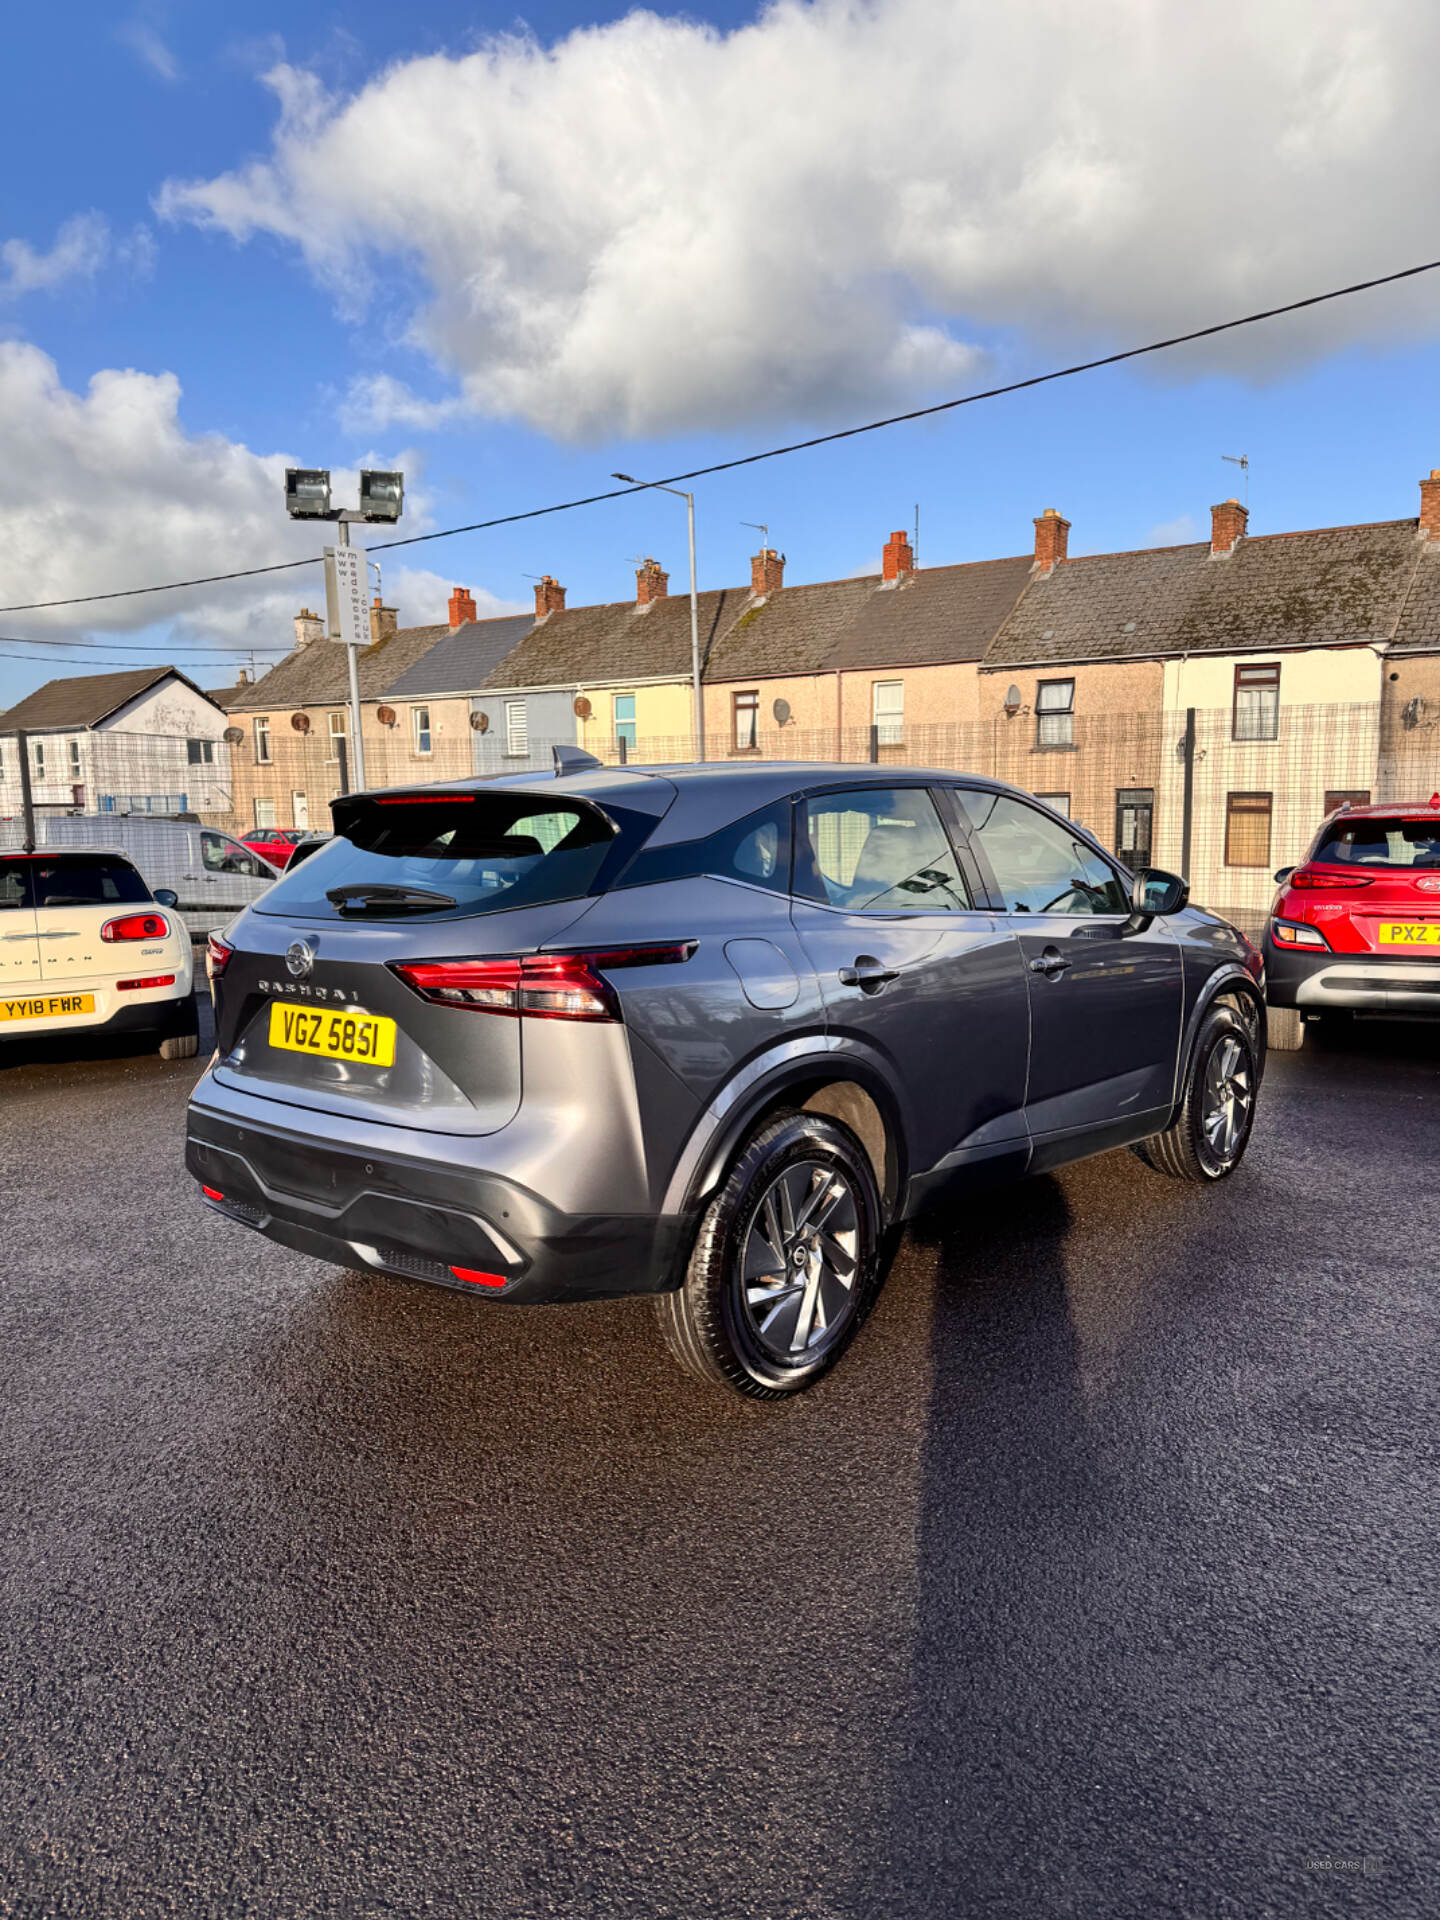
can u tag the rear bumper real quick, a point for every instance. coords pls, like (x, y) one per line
(165, 1014)
(356, 1205)
(1354, 982)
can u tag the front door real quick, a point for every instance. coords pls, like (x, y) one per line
(1134, 824)
(299, 810)
(914, 970)
(1105, 999)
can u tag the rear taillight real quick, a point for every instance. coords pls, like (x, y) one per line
(1290, 933)
(543, 986)
(136, 926)
(217, 956)
(154, 980)
(474, 1278)
(1308, 881)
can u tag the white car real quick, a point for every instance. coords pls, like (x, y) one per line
(84, 944)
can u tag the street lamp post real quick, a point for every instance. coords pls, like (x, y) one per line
(382, 500)
(698, 696)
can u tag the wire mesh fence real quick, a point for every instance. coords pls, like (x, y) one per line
(1182, 790)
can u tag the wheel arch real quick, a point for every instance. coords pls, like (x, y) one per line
(1228, 985)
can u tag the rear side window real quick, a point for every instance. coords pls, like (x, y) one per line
(1381, 843)
(755, 849)
(472, 853)
(71, 880)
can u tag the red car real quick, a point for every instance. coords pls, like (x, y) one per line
(1356, 927)
(275, 844)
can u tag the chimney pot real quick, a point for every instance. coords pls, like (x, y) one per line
(549, 597)
(651, 583)
(1430, 506)
(462, 608)
(384, 621)
(1227, 527)
(1052, 540)
(897, 558)
(767, 572)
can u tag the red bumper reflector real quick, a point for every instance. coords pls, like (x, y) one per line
(212, 1193)
(155, 980)
(473, 1278)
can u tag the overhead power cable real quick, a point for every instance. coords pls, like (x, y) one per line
(769, 453)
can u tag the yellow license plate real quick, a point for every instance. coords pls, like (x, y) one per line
(1410, 933)
(47, 1006)
(364, 1037)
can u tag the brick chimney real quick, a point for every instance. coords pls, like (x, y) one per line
(650, 583)
(308, 626)
(1430, 506)
(462, 607)
(1052, 541)
(897, 559)
(384, 621)
(767, 572)
(549, 597)
(1227, 527)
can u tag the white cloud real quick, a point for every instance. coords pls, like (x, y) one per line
(652, 226)
(1178, 532)
(106, 489)
(82, 246)
(148, 47)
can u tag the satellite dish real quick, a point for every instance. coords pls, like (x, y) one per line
(781, 711)
(583, 708)
(480, 721)
(232, 736)
(1012, 701)
(386, 716)
(300, 722)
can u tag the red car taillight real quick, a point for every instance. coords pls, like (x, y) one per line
(1307, 881)
(152, 980)
(217, 956)
(136, 926)
(543, 986)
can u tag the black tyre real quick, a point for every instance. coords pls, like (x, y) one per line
(1285, 1030)
(1211, 1130)
(785, 1264)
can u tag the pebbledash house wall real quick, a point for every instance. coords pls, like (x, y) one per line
(1410, 728)
(831, 713)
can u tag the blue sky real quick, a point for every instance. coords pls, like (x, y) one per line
(751, 289)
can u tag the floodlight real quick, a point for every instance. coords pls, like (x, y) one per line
(382, 495)
(307, 493)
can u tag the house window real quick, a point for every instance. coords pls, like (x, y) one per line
(624, 719)
(262, 749)
(1059, 801)
(265, 813)
(1134, 824)
(336, 725)
(1257, 703)
(746, 708)
(39, 759)
(1247, 829)
(1055, 713)
(888, 711)
(517, 729)
(75, 759)
(200, 753)
(420, 722)
(1338, 797)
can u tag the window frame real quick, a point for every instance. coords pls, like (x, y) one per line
(1338, 797)
(624, 726)
(335, 734)
(1234, 813)
(39, 760)
(514, 732)
(1121, 804)
(1050, 799)
(1254, 685)
(260, 731)
(419, 734)
(1065, 713)
(73, 754)
(745, 700)
(889, 727)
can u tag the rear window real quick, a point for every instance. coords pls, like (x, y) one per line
(1381, 843)
(453, 854)
(70, 880)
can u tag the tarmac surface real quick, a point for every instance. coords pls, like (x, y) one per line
(1100, 1578)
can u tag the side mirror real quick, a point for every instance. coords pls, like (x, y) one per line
(1282, 874)
(165, 897)
(1155, 893)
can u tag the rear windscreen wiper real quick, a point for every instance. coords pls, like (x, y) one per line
(375, 897)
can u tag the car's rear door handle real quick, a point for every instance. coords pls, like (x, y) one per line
(868, 974)
(1051, 963)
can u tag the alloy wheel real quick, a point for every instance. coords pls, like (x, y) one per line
(1229, 1096)
(799, 1261)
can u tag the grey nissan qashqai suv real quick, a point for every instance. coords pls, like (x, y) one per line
(706, 1032)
